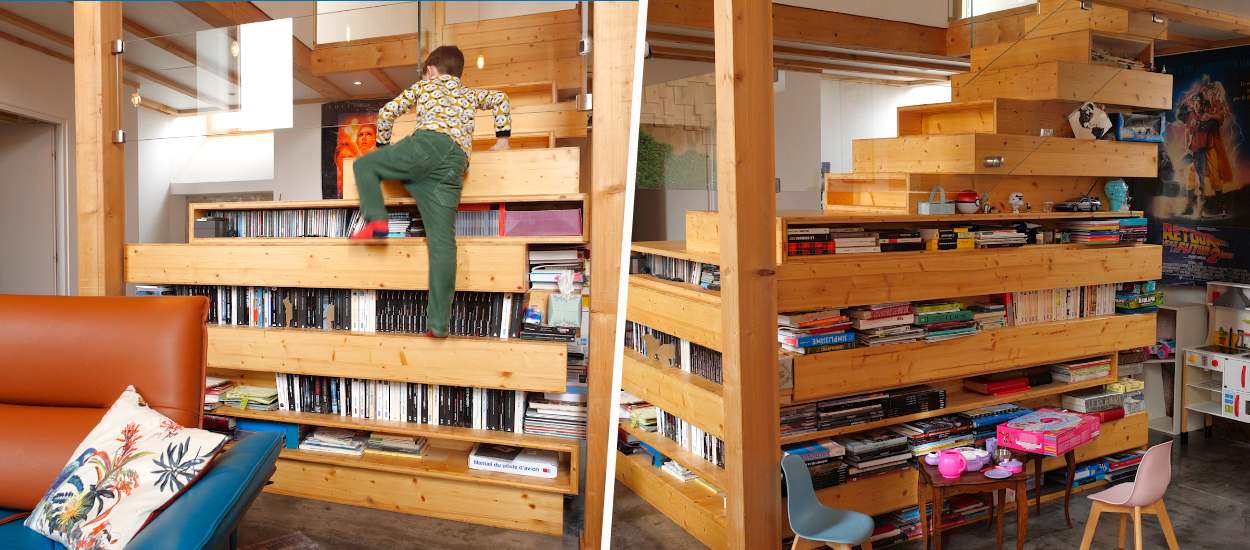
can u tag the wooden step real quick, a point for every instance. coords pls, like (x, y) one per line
(1062, 16)
(478, 362)
(440, 487)
(680, 309)
(690, 397)
(897, 490)
(865, 369)
(987, 116)
(884, 194)
(1017, 155)
(561, 120)
(711, 473)
(500, 174)
(1058, 80)
(311, 263)
(414, 429)
(1072, 47)
(692, 507)
(862, 279)
(957, 400)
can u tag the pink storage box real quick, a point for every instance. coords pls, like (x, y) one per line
(1049, 432)
(542, 223)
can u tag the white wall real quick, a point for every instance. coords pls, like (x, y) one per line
(344, 21)
(796, 124)
(922, 12)
(855, 110)
(463, 12)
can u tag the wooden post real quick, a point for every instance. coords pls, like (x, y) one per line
(100, 188)
(615, 112)
(747, 204)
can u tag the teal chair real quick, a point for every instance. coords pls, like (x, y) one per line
(814, 523)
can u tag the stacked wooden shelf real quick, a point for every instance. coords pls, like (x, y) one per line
(535, 174)
(1006, 131)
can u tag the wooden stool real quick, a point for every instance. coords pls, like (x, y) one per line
(933, 485)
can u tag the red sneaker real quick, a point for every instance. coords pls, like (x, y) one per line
(376, 229)
(430, 334)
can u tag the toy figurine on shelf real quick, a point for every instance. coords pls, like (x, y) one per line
(1117, 195)
(1017, 202)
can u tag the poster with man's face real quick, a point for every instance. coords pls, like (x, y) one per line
(348, 131)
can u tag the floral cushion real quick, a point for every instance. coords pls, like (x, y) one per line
(131, 464)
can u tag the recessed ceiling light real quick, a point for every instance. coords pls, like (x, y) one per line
(356, 82)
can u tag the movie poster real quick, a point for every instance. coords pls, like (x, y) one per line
(348, 130)
(1199, 207)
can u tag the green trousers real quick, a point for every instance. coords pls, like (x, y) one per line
(432, 167)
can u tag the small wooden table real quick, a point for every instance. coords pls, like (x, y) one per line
(937, 488)
(1069, 458)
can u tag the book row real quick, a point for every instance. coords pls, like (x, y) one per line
(674, 352)
(700, 274)
(472, 220)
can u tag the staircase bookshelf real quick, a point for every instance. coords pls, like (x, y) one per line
(996, 113)
(543, 170)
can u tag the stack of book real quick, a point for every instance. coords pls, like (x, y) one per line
(514, 460)
(1093, 231)
(1093, 400)
(1083, 474)
(820, 241)
(899, 241)
(550, 266)
(913, 400)
(1081, 371)
(798, 419)
(556, 418)
(1060, 304)
(999, 237)
(985, 420)
(935, 434)
(989, 316)
(815, 331)
(636, 412)
(336, 441)
(882, 324)
(848, 411)
(998, 383)
(1122, 467)
(944, 320)
(824, 460)
(875, 452)
(396, 445)
(213, 388)
(404, 224)
(955, 238)
(678, 471)
(1132, 230)
(253, 398)
(1138, 297)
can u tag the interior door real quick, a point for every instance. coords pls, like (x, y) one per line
(28, 262)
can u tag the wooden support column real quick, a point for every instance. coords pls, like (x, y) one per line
(616, 104)
(100, 163)
(748, 205)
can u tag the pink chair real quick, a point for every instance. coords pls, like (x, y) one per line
(1143, 495)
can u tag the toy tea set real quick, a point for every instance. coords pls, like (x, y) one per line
(1048, 432)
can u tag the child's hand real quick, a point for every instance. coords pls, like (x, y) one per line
(501, 144)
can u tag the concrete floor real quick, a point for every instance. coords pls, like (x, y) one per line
(1209, 503)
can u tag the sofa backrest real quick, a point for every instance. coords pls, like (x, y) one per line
(66, 359)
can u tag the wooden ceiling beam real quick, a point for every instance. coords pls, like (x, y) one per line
(792, 24)
(172, 46)
(35, 28)
(227, 14)
(832, 56)
(1175, 11)
(362, 55)
(386, 81)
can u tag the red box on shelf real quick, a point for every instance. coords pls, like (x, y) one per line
(541, 223)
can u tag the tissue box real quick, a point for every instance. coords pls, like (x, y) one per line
(1048, 432)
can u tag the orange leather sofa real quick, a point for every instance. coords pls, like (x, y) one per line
(66, 359)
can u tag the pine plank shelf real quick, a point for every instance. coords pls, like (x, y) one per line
(858, 370)
(681, 309)
(501, 174)
(990, 116)
(675, 249)
(957, 400)
(1020, 155)
(511, 364)
(197, 207)
(860, 279)
(694, 508)
(897, 490)
(400, 241)
(1066, 81)
(711, 473)
(403, 265)
(689, 396)
(811, 218)
(562, 120)
(413, 429)
(431, 488)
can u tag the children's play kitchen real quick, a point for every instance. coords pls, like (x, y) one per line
(1217, 376)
